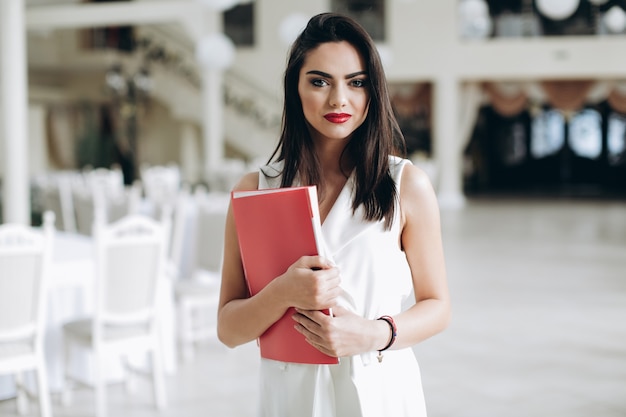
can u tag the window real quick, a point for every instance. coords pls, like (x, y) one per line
(239, 24)
(616, 139)
(585, 133)
(547, 133)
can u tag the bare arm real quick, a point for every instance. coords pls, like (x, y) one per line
(422, 243)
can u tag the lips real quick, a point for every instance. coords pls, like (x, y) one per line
(337, 117)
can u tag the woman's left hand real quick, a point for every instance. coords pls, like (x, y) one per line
(342, 334)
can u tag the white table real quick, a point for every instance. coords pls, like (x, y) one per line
(70, 296)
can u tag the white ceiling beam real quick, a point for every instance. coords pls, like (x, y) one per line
(110, 14)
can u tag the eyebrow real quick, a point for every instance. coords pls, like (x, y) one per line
(347, 77)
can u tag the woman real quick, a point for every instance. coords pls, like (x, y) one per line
(384, 277)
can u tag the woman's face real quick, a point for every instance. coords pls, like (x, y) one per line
(334, 90)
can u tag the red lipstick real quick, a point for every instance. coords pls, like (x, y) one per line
(337, 117)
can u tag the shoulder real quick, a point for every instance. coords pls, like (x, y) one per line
(417, 196)
(249, 181)
(415, 179)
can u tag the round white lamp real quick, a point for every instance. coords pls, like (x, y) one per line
(557, 9)
(215, 51)
(474, 19)
(615, 19)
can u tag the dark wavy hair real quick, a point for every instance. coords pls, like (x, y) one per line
(370, 145)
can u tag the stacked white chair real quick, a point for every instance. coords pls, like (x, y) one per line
(197, 286)
(161, 182)
(24, 258)
(130, 260)
(223, 176)
(161, 185)
(55, 190)
(103, 194)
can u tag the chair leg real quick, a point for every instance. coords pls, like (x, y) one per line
(21, 399)
(158, 379)
(185, 314)
(99, 384)
(130, 380)
(43, 392)
(66, 389)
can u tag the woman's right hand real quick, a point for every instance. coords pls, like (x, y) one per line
(310, 283)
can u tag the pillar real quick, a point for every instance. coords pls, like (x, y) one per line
(213, 119)
(189, 153)
(14, 132)
(447, 143)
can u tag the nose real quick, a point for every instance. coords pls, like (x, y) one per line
(338, 96)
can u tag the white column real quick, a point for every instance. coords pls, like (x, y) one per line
(13, 133)
(213, 120)
(447, 143)
(210, 22)
(189, 152)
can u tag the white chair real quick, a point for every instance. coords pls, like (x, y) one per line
(130, 256)
(56, 195)
(85, 205)
(161, 182)
(24, 259)
(90, 202)
(109, 181)
(127, 202)
(161, 185)
(196, 289)
(223, 176)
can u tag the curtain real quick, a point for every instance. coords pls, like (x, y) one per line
(472, 98)
(567, 95)
(507, 99)
(61, 133)
(617, 97)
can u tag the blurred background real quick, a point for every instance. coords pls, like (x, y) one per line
(516, 109)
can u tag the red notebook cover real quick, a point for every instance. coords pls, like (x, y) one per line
(275, 227)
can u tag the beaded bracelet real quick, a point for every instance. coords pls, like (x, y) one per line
(394, 333)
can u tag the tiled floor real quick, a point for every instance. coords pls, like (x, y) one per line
(539, 325)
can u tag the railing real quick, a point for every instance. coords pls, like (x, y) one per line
(257, 112)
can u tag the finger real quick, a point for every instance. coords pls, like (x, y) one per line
(313, 317)
(339, 310)
(316, 262)
(320, 347)
(309, 335)
(304, 316)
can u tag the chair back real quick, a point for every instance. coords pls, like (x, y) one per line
(55, 191)
(85, 206)
(211, 210)
(121, 205)
(161, 183)
(24, 259)
(130, 255)
(109, 181)
(95, 205)
(180, 231)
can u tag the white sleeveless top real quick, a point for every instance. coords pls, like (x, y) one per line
(376, 280)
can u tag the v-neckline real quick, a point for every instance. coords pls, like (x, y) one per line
(338, 198)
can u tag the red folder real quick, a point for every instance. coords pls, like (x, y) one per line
(275, 227)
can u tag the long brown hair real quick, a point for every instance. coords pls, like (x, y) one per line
(371, 144)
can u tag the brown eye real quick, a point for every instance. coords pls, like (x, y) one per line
(318, 82)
